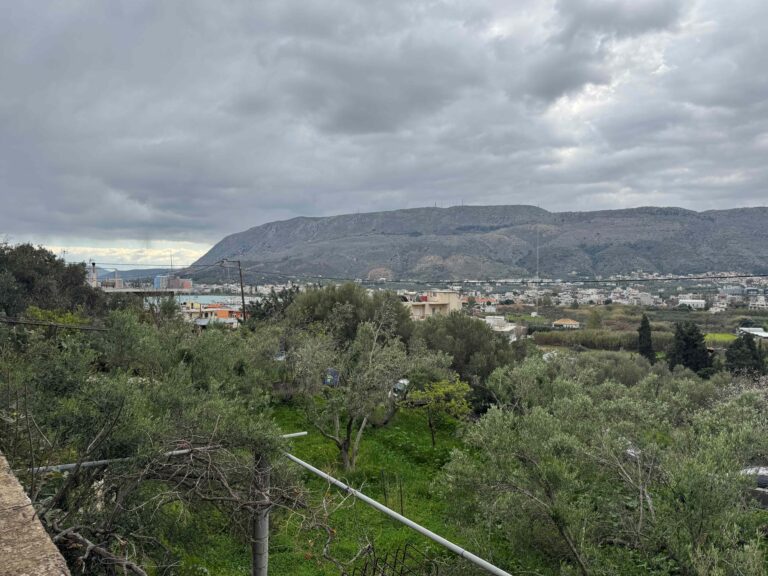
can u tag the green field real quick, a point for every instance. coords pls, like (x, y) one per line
(719, 338)
(624, 317)
(401, 450)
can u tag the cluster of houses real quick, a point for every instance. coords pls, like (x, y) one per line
(443, 302)
(485, 301)
(750, 297)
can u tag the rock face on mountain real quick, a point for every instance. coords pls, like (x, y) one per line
(500, 241)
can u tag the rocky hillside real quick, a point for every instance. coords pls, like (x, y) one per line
(500, 241)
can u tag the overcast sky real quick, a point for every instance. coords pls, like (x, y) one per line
(132, 129)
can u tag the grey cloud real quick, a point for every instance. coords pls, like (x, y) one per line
(562, 70)
(188, 121)
(726, 66)
(619, 17)
(577, 53)
(380, 86)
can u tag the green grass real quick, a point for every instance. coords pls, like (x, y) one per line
(719, 338)
(401, 449)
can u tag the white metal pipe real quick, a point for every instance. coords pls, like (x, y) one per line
(485, 565)
(293, 435)
(94, 463)
(67, 467)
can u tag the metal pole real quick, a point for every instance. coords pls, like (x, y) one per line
(294, 435)
(260, 518)
(487, 566)
(95, 463)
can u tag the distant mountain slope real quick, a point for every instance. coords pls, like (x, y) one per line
(500, 241)
(135, 274)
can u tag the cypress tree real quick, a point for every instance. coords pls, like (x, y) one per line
(743, 355)
(689, 349)
(644, 342)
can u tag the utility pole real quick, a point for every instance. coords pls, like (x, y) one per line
(242, 287)
(260, 485)
(242, 292)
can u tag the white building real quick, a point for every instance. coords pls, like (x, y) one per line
(756, 332)
(500, 325)
(758, 303)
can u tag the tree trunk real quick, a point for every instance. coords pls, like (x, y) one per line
(564, 532)
(431, 422)
(345, 456)
(348, 465)
(391, 411)
(356, 443)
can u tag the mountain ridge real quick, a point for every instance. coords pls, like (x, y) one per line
(462, 242)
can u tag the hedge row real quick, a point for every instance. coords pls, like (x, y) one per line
(602, 339)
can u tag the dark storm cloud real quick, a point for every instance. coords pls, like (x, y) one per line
(619, 17)
(561, 70)
(378, 87)
(190, 120)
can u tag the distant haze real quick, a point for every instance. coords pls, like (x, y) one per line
(130, 129)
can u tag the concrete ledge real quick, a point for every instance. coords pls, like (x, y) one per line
(25, 547)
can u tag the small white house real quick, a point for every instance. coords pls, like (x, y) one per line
(500, 325)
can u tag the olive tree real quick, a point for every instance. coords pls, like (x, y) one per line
(577, 472)
(144, 441)
(346, 385)
(439, 399)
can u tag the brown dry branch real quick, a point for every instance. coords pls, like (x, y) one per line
(71, 538)
(208, 474)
